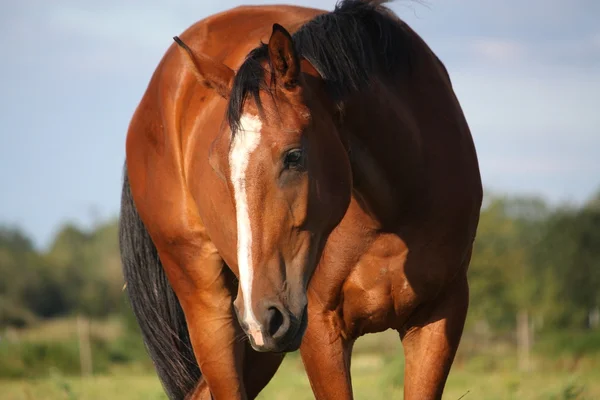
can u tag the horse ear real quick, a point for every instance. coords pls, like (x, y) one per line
(209, 72)
(284, 60)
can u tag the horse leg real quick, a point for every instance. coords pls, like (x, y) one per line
(201, 392)
(259, 368)
(203, 286)
(231, 369)
(430, 340)
(326, 357)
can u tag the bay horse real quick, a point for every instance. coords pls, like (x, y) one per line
(294, 179)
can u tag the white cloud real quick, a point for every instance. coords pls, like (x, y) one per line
(528, 100)
(494, 49)
(144, 27)
(595, 40)
(536, 164)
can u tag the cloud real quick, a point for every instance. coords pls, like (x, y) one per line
(493, 49)
(108, 38)
(537, 164)
(143, 28)
(526, 100)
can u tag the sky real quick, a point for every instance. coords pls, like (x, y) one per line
(527, 74)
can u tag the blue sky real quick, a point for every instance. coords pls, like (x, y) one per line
(72, 72)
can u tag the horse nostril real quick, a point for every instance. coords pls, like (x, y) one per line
(276, 322)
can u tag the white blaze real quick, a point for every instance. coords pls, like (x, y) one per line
(245, 141)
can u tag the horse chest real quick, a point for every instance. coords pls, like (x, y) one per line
(372, 291)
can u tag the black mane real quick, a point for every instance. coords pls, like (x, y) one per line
(348, 47)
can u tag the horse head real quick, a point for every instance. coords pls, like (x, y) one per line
(288, 175)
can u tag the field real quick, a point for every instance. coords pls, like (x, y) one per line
(533, 330)
(375, 376)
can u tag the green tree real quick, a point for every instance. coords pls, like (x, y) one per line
(502, 274)
(30, 286)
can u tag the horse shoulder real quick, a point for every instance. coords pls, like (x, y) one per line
(154, 157)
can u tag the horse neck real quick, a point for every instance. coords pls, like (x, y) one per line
(384, 148)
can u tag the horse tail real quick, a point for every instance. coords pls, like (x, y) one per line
(155, 304)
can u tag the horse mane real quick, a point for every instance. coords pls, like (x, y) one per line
(349, 47)
(155, 304)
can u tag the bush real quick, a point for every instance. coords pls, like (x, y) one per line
(55, 348)
(33, 359)
(576, 343)
(128, 348)
(36, 359)
(15, 316)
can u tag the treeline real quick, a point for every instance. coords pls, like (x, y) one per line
(541, 261)
(528, 257)
(79, 274)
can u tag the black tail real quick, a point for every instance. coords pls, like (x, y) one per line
(154, 303)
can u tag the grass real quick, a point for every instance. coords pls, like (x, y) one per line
(291, 384)
(131, 387)
(60, 329)
(377, 368)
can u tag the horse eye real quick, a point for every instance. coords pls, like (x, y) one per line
(294, 159)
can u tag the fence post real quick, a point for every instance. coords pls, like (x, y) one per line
(85, 349)
(523, 340)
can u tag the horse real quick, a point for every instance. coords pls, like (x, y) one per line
(296, 178)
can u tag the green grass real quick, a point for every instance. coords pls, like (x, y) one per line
(131, 387)
(61, 329)
(42, 362)
(377, 368)
(372, 376)
(369, 375)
